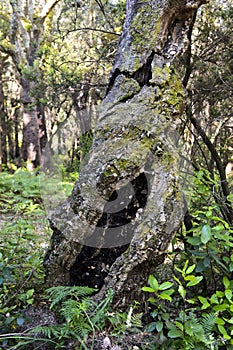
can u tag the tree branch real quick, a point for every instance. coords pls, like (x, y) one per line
(218, 162)
(47, 9)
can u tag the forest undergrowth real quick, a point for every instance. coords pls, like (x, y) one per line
(189, 306)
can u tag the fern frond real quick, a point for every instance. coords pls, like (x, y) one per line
(136, 320)
(47, 331)
(133, 320)
(79, 339)
(59, 293)
(82, 330)
(208, 322)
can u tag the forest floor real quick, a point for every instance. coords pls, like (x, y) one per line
(24, 238)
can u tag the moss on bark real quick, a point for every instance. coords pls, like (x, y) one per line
(135, 146)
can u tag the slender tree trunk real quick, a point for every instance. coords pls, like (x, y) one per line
(80, 101)
(16, 107)
(3, 131)
(42, 127)
(31, 152)
(127, 204)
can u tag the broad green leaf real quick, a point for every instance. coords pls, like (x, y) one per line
(179, 325)
(205, 303)
(159, 326)
(206, 261)
(148, 289)
(30, 293)
(194, 240)
(152, 300)
(175, 333)
(165, 316)
(154, 313)
(182, 291)
(195, 281)
(151, 327)
(214, 299)
(228, 294)
(226, 282)
(224, 332)
(165, 285)
(205, 234)
(222, 307)
(219, 321)
(170, 291)
(190, 269)
(200, 266)
(165, 296)
(191, 301)
(202, 300)
(153, 283)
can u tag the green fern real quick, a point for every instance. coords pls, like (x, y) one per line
(133, 321)
(47, 331)
(201, 328)
(137, 320)
(208, 322)
(79, 314)
(72, 309)
(60, 293)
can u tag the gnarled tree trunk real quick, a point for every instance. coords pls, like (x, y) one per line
(127, 204)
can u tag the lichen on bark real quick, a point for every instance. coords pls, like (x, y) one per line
(98, 240)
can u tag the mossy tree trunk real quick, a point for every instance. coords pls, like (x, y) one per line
(127, 204)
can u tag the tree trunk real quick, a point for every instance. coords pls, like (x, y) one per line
(42, 127)
(31, 152)
(26, 40)
(127, 204)
(3, 131)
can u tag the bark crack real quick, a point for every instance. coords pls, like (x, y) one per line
(142, 75)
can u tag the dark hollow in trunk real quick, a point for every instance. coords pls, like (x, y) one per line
(127, 204)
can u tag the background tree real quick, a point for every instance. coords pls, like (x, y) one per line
(60, 82)
(209, 112)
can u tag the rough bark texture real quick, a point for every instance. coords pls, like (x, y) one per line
(98, 241)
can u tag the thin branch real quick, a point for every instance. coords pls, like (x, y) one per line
(47, 9)
(101, 6)
(218, 162)
(93, 29)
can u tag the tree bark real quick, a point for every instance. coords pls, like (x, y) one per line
(31, 151)
(127, 204)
